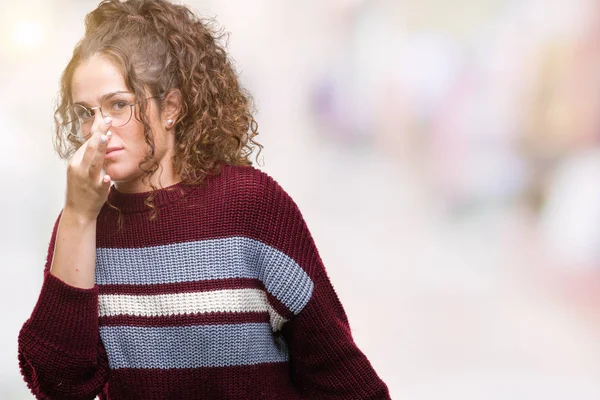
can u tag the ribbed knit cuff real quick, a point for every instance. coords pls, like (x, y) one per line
(66, 316)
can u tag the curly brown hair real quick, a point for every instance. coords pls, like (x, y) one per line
(159, 46)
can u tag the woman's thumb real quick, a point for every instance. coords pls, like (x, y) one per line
(106, 181)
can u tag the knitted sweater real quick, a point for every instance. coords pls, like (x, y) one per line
(222, 296)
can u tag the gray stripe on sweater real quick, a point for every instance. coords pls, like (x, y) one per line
(233, 257)
(191, 346)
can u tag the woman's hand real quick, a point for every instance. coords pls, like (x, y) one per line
(87, 190)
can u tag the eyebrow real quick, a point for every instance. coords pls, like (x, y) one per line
(104, 96)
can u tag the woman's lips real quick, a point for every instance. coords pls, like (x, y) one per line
(112, 152)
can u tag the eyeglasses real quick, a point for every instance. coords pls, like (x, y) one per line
(116, 106)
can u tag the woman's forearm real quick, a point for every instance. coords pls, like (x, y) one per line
(74, 258)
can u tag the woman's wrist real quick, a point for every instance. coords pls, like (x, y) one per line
(75, 217)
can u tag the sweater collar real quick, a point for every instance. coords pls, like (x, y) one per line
(134, 202)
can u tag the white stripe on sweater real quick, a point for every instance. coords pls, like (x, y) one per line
(227, 300)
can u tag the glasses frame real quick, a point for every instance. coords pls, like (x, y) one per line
(99, 108)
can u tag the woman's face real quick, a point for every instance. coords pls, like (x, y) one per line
(92, 81)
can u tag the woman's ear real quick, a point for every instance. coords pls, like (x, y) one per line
(171, 108)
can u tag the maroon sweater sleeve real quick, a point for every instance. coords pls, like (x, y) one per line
(325, 363)
(60, 352)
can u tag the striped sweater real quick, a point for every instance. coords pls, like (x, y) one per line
(222, 296)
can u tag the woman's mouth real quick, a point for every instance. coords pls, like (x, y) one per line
(113, 151)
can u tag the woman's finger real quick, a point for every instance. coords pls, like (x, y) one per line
(99, 143)
(105, 181)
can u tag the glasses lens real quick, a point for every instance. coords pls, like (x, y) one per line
(80, 119)
(118, 108)
(73, 128)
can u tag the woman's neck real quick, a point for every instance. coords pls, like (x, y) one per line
(158, 180)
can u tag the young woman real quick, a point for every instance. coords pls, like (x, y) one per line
(194, 276)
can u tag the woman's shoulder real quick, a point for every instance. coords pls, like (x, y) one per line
(265, 208)
(252, 192)
(248, 180)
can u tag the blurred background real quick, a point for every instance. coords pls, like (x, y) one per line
(446, 157)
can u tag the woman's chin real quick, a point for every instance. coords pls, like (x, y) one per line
(117, 174)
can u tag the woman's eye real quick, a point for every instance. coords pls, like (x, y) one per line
(118, 105)
(86, 114)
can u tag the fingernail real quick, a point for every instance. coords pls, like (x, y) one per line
(107, 120)
(109, 134)
(106, 178)
(103, 139)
